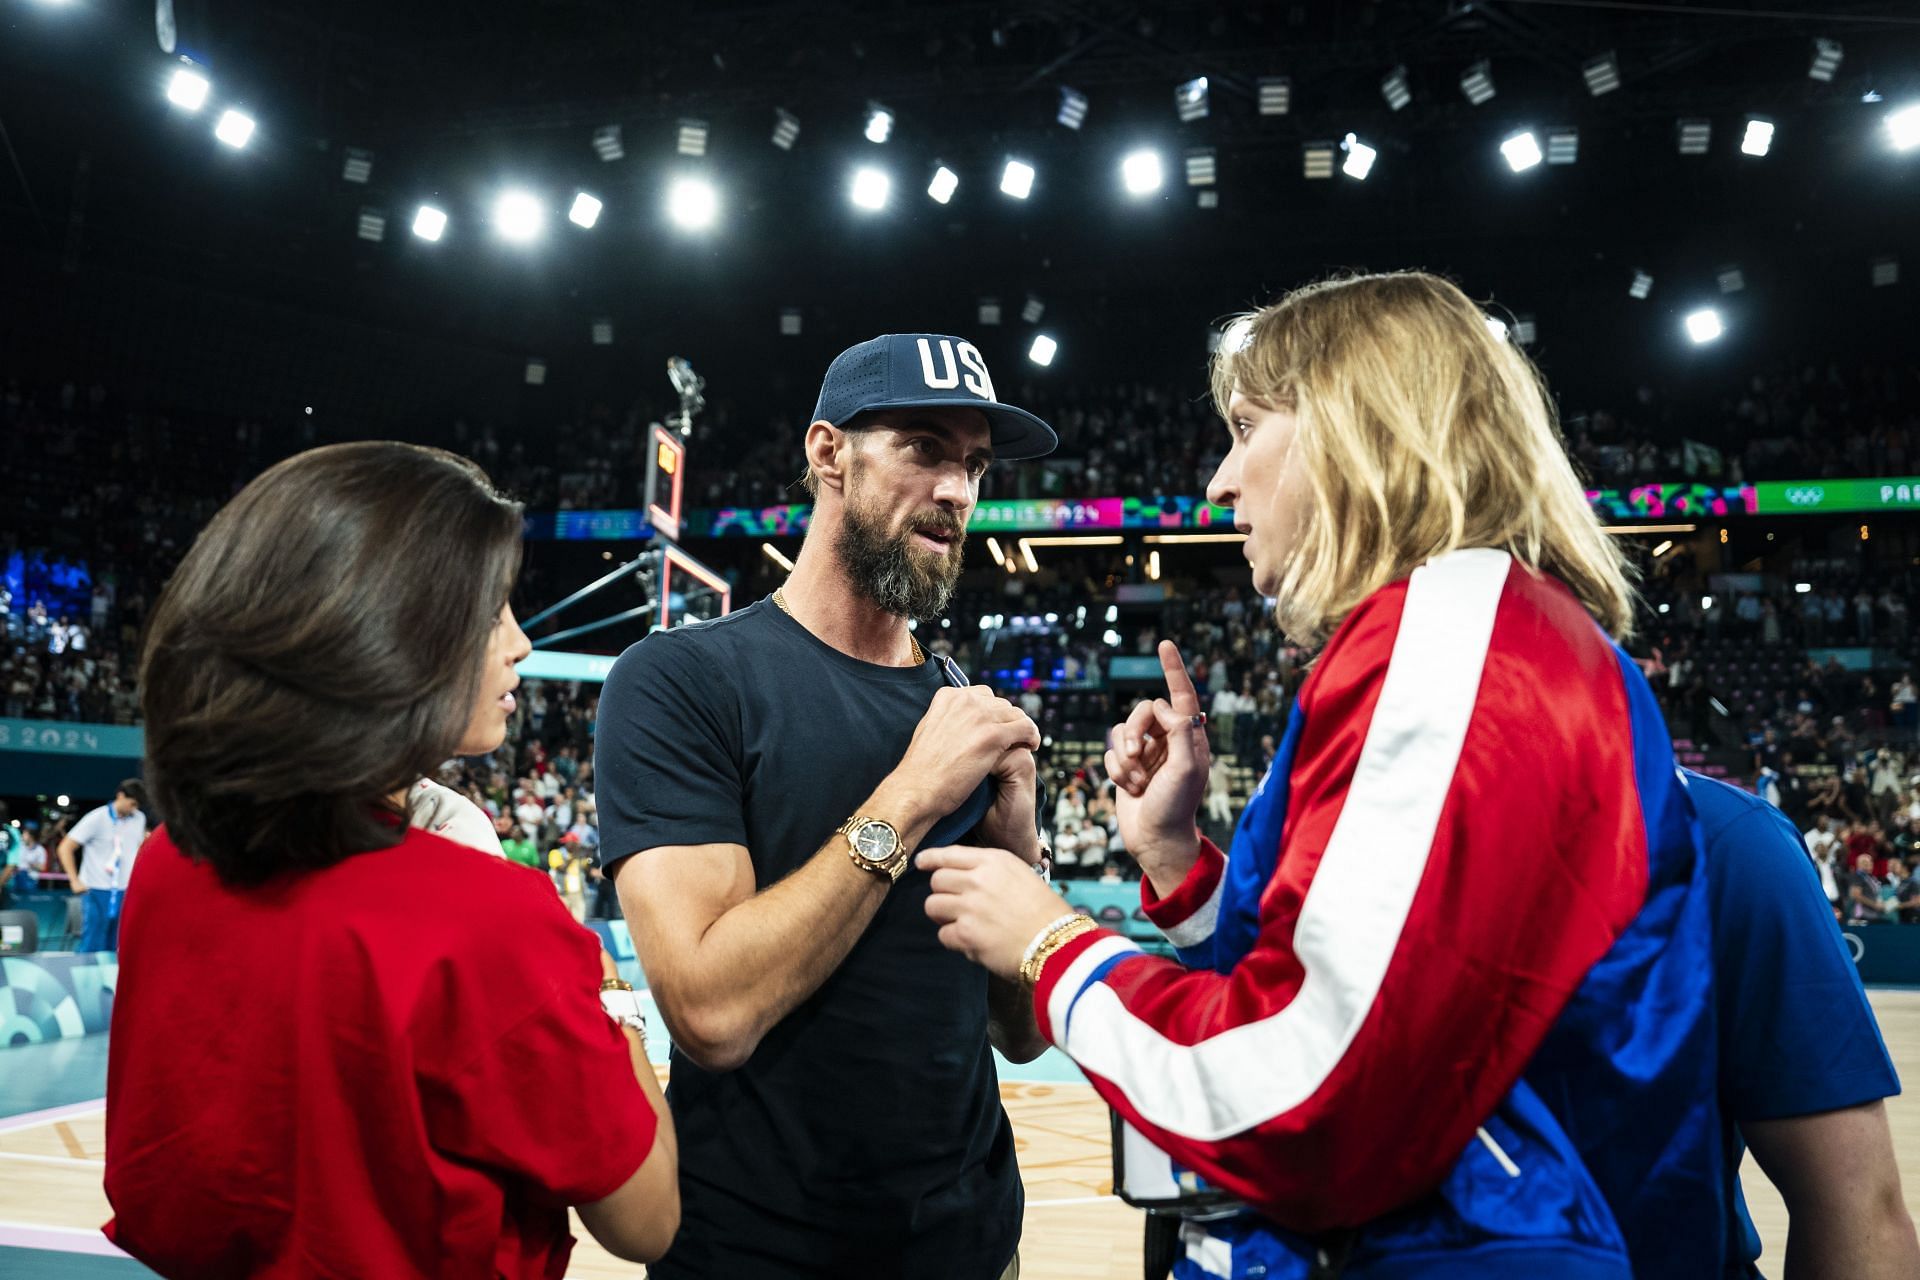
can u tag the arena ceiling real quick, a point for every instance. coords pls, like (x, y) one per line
(105, 181)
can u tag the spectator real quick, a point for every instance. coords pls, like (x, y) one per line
(514, 842)
(1868, 895)
(106, 841)
(27, 860)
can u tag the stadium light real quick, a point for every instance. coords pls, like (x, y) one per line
(235, 128)
(585, 211)
(1563, 145)
(1904, 127)
(1360, 158)
(1201, 169)
(518, 217)
(1073, 108)
(1693, 134)
(879, 123)
(1394, 88)
(1826, 60)
(1758, 139)
(945, 183)
(870, 188)
(693, 203)
(1602, 73)
(1642, 285)
(358, 166)
(1016, 179)
(429, 223)
(1476, 82)
(1276, 95)
(606, 143)
(1522, 151)
(188, 89)
(1191, 100)
(691, 139)
(1142, 173)
(1032, 309)
(1704, 325)
(786, 128)
(1316, 160)
(1042, 350)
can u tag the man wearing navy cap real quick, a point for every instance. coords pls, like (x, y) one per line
(764, 780)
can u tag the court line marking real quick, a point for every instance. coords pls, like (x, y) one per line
(30, 1235)
(34, 1119)
(34, 1157)
(1049, 1204)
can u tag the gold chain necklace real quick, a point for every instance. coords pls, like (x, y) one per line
(919, 656)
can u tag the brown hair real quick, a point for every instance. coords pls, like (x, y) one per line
(319, 649)
(1421, 433)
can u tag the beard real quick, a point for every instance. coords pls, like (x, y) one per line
(892, 570)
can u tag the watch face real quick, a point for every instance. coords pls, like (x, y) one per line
(874, 841)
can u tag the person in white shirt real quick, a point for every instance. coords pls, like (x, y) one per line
(98, 856)
(1066, 848)
(1071, 809)
(1219, 794)
(530, 812)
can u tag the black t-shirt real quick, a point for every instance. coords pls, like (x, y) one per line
(871, 1114)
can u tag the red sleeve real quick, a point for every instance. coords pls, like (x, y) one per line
(1448, 872)
(1187, 915)
(549, 1097)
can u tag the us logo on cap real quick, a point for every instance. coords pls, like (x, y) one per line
(976, 378)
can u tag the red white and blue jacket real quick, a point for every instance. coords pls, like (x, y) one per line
(1450, 998)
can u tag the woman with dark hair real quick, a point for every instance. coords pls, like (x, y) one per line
(316, 1067)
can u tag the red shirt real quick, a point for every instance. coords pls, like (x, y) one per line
(395, 1066)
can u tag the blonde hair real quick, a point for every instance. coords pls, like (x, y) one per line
(1421, 433)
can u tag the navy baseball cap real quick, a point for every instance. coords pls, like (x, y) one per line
(930, 370)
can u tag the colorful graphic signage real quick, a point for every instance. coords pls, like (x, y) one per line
(1678, 501)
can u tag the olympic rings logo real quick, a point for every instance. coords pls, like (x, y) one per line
(1856, 944)
(1806, 497)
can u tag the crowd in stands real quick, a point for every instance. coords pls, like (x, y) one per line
(1785, 423)
(109, 495)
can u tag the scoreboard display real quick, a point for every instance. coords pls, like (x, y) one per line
(666, 482)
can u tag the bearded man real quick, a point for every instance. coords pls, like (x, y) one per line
(764, 780)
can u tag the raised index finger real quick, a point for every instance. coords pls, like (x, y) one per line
(1180, 691)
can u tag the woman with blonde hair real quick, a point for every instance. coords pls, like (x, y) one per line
(1445, 1010)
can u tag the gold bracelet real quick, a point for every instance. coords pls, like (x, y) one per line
(1056, 939)
(1046, 931)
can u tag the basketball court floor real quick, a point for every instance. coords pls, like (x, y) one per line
(52, 1144)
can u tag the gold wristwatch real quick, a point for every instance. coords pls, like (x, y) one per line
(874, 845)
